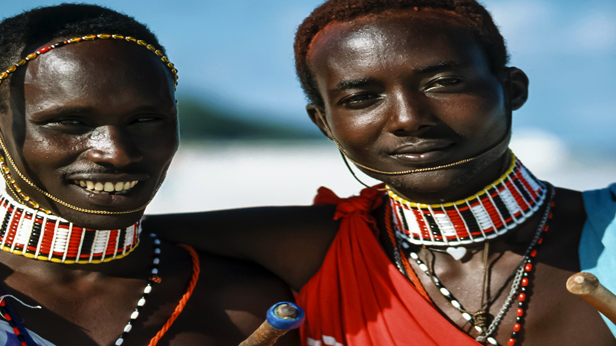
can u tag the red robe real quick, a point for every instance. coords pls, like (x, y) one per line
(359, 298)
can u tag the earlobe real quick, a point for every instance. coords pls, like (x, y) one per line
(317, 115)
(517, 84)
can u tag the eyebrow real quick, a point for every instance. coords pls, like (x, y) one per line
(353, 83)
(442, 66)
(361, 82)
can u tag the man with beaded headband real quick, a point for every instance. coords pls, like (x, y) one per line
(88, 128)
(462, 245)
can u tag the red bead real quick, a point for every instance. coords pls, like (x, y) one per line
(43, 50)
(2, 303)
(528, 267)
(23, 343)
(7, 317)
(540, 241)
(16, 331)
(550, 215)
(517, 327)
(511, 342)
(520, 312)
(533, 253)
(522, 297)
(524, 282)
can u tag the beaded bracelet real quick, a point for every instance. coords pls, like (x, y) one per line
(4, 75)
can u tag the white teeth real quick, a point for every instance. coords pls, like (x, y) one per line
(120, 187)
(109, 187)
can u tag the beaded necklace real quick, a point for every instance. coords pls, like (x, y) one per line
(35, 234)
(499, 207)
(519, 285)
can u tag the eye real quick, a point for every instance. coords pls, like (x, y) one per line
(443, 83)
(358, 101)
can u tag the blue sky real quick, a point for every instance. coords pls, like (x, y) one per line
(238, 53)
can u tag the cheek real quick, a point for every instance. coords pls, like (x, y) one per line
(358, 128)
(473, 115)
(50, 151)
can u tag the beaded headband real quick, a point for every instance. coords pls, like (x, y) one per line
(4, 75)
(499, 207)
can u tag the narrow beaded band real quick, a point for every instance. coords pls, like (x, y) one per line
(154, 279)
(499, 207)
(32, 56)
(35, 234)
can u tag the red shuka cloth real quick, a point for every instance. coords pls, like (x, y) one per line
(358, 297)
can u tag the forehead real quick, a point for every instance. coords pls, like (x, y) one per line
(408, 38)
(97, 73)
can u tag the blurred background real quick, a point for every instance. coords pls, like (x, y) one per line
(246, 139)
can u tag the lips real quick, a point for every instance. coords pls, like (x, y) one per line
(427, 151)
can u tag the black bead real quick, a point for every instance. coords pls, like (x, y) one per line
(518, 319)
(525, 274)
(514, 335)
(523, 289)
(521, 304)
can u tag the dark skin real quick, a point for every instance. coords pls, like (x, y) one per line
(105, 111)
(411, 90)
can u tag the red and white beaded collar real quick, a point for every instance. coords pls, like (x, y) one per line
(499, 207)
(36, 234)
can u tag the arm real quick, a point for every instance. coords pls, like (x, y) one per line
(289, 241)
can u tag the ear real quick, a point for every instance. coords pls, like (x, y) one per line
(317, 115)
(516, 84)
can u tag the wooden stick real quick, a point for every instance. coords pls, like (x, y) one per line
(588, 287)
(283, 317)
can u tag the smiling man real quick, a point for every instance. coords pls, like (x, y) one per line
(461, 245)
(88, 128)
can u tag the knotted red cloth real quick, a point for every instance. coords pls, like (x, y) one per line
(359, 298)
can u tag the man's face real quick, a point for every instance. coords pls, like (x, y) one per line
(409, 91)
(94, 116)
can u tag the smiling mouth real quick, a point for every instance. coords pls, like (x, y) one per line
(106, 187)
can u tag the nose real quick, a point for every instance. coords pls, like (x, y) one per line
(111, 146)
(410, 114)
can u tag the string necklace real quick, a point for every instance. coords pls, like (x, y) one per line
(480, 318)
(499, 207)
(35, 234)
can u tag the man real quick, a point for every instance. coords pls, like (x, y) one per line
(467, 247)
(88, 124)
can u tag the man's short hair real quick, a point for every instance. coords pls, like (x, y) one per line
(44, 24)
(479, 22)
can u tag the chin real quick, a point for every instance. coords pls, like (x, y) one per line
(100, 222)
(440, 186)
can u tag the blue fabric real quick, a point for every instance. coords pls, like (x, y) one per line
(598, 243)
(8, 338)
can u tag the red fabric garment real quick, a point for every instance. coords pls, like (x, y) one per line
(358, 297)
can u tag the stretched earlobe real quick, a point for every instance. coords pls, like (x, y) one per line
(317, 115)
(517, 87)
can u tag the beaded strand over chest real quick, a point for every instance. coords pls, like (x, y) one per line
(499, 207)
(35, 234)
